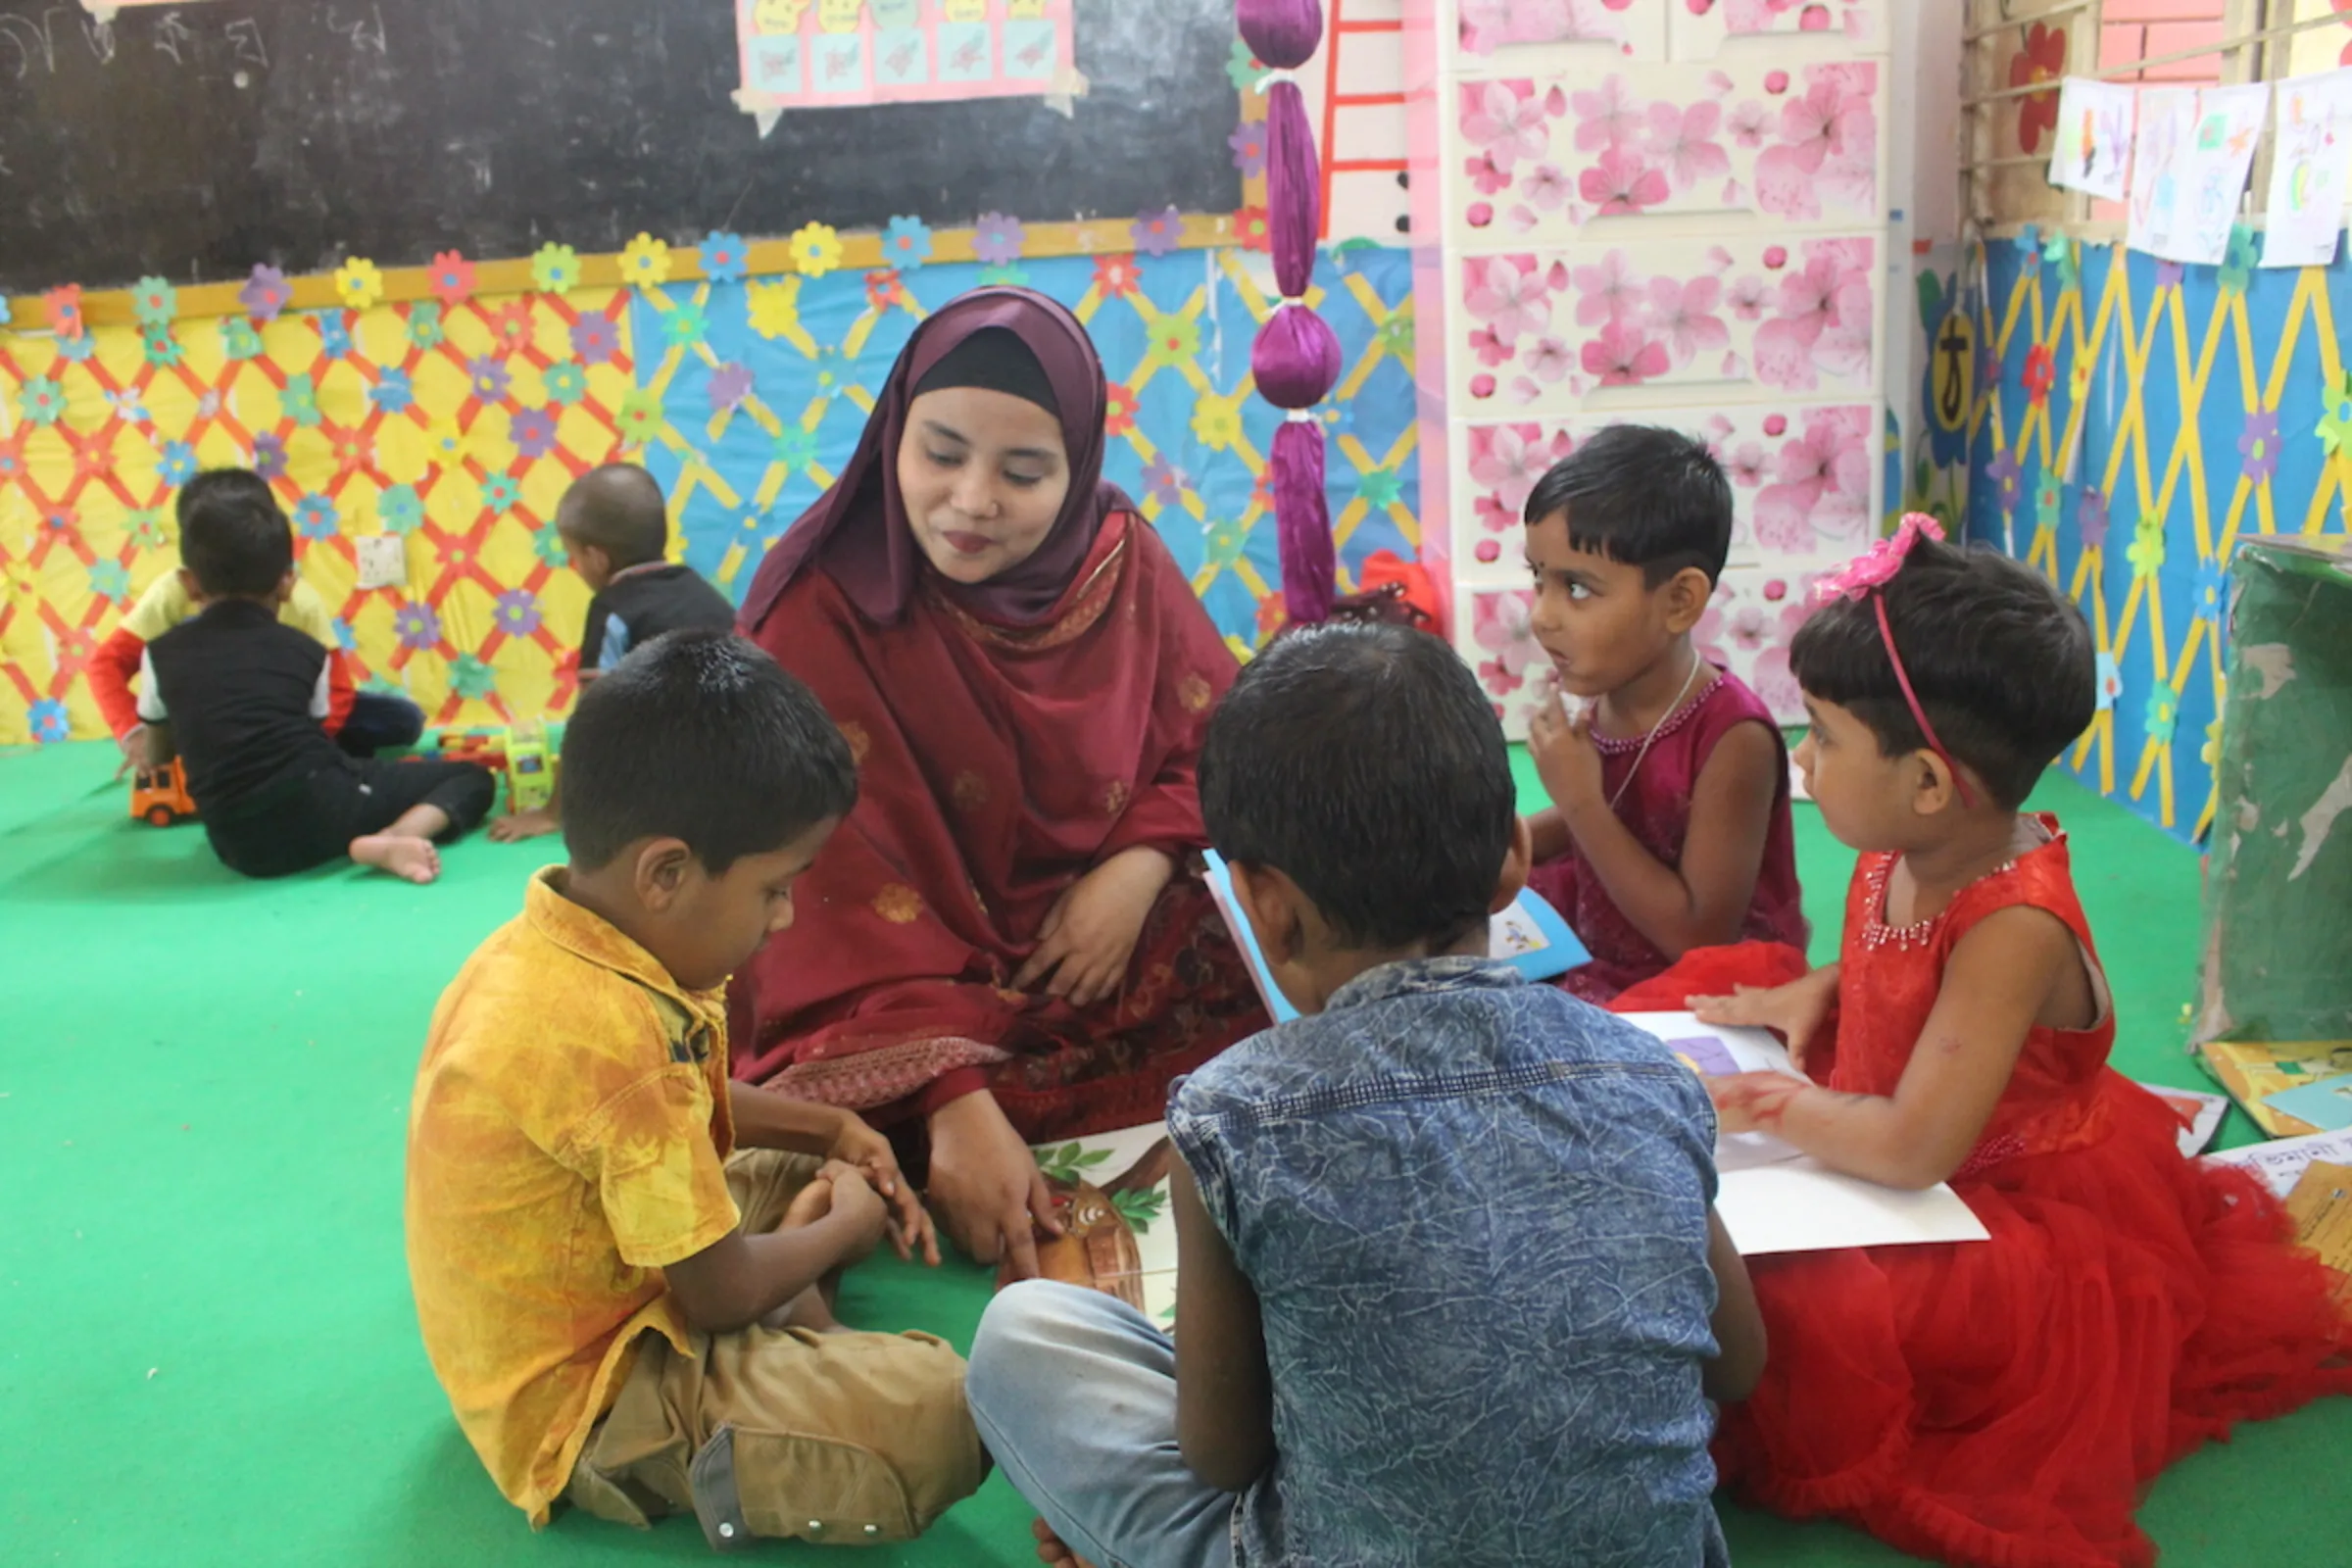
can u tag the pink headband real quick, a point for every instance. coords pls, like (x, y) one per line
(1864, 577)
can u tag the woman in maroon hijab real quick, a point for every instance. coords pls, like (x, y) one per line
(1005, 942)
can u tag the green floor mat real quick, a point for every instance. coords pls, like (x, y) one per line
(210, 1352)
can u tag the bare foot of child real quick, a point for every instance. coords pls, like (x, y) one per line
(410, 860)
(1053, 1550)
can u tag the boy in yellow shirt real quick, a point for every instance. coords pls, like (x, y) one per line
(623, 1259)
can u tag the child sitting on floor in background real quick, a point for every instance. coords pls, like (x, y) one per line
(363, 723)
(2000, 1402)
(1669, 825)
(615, 528)
(245, 698)
(1453, 1287)
(623, 1261)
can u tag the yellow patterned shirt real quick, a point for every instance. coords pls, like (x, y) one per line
(568, 1140)
(165, 604)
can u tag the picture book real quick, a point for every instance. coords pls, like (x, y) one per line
(1530, 936)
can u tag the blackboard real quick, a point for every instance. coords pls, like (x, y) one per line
(193, 141)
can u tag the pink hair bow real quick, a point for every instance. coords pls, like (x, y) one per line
(1876, 566)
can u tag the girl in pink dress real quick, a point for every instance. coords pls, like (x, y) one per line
(1669, 824)
(1995, 1402)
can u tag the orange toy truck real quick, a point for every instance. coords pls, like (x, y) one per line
(160, 794)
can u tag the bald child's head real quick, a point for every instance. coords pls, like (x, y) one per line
(612, 518)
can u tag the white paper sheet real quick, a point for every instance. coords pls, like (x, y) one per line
(2280, 1162)
(2167, 128)
(2094, 137)
(1775, 1199)
(2211, 168)
(2311, 160)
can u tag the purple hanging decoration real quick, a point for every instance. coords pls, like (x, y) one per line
(1296, 359)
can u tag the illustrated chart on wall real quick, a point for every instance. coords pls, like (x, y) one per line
(803, 54)
(192, 142)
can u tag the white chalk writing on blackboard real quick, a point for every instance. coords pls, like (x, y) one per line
(247, 35)
(171, 35)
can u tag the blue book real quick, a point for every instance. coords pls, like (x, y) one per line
(1530, 936)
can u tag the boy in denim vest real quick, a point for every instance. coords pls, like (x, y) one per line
(1453, 1289)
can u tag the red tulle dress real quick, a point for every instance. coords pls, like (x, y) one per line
(2001, 1403)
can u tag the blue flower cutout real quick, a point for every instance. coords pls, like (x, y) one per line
(907, 243)
(110, 580)
(393, 391)
(316, 518)
(2028, 249)
(78, 349)
(334, 333)
(50, 725)
(345, 638)
(2210, 589)
(3, 313)
(2110, 680)
(726, 257)
(177, 462)
(400, 508)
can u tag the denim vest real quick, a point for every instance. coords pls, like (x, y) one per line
(1475, 1213)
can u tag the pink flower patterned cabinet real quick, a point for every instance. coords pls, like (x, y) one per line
(1669, 212)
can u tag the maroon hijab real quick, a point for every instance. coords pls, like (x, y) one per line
(857, 533)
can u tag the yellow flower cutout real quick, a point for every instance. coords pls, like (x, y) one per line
(1218, 422)
(775, 308)
(816, 249)
(358, 282)
(645, 261)
(447, 444)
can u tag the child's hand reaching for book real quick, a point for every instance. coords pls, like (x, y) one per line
(1793, 1011)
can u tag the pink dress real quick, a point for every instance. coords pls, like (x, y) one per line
(1656, 807)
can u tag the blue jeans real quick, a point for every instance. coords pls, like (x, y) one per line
(1075, 1394)
(379, 723)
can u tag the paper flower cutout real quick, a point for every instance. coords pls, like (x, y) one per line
(268, 455)
(1118, 410)
(41, 400)
(315, 517)
(726, 257)
(487, 379)
(451, 279)
(424, 324)
(299, 401)
(997, 239)
(2041, 372)
(1241, 67)
(1252, 227)
(65, 310)
(1218, 422)
(1118, 276)
(162, 349)
(472, 678)
(2210, 592)
(49, 719)
(500, 492)
(7, 314)
(775, 308)
(153, 301)
(2238, 260)
(640, 417)
(110, 580)
(645, 261)
(266, 293)
(2334, 428)
(177, 462)
(393, 392)
(2146, 551)
(795, 448)
(1157, 233)
(1008, 275)
(556, 269)
(334, 333)
(517, 612)
(684, 325)
(2090, 517)
(565, 382)
(238, 339)
(1248, 145)
(533, 432)
(549, 545)
(595, 339)
(447, 444)
(416, 626)
(360, 282)
(2162, 715)
(400, 508)
(815, 249)
(907, 242)
(2258, 446)
(730, 386)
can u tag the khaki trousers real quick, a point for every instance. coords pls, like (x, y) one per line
(848, 1438)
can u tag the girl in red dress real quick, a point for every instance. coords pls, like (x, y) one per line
(2001, 1402)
